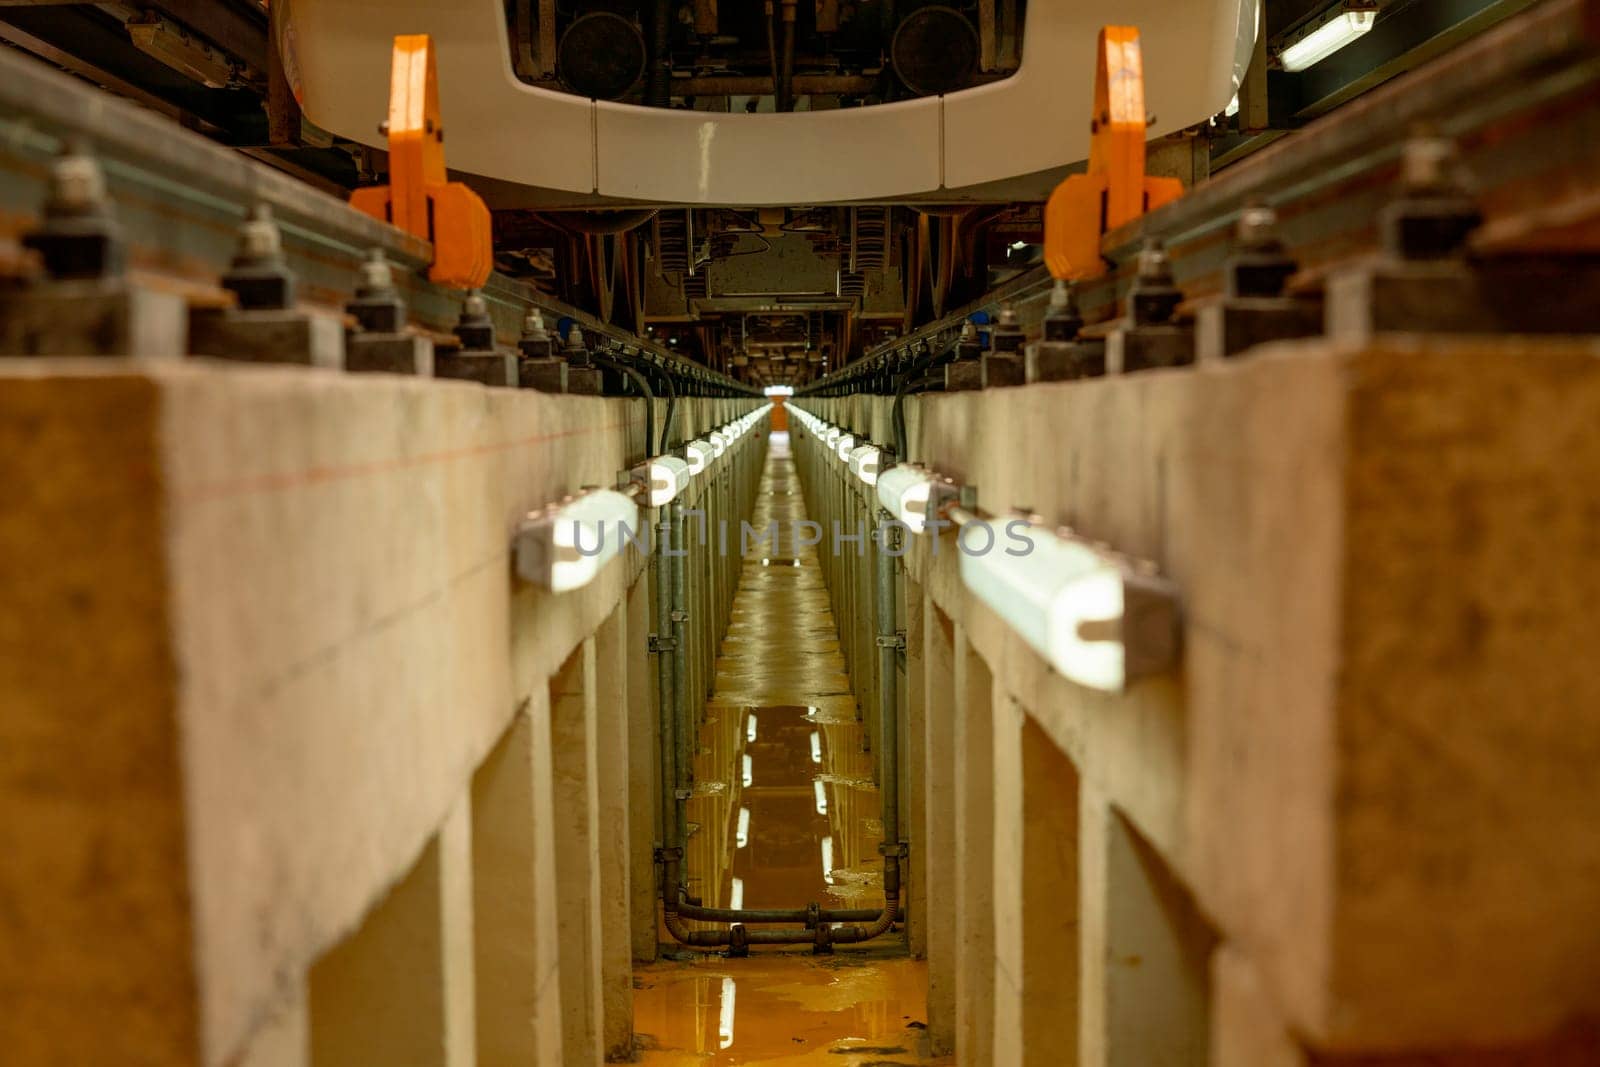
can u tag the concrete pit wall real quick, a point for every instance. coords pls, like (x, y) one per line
(283, 731)
(1356, 825)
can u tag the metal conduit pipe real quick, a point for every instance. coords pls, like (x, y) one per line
(809, 916)
(889, 644)
(819, 923)
(676, 559)
(902, 385)
(671, 842)
(672, 409)
(644, 390)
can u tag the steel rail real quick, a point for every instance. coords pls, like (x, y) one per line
(1522, 101)
(180, 198)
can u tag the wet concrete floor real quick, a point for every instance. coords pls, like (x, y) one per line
(785, 813)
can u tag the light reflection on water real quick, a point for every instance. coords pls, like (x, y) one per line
(794, 818)
(782, 1008)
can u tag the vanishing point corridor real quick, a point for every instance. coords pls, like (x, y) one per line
(784, 813)
(886, 533)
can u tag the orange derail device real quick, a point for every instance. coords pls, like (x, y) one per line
(1085, 207)
(419, 197)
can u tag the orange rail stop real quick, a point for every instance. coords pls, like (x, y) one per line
(419, 197)
(1085, 207)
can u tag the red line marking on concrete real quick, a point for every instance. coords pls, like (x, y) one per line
(289, 480)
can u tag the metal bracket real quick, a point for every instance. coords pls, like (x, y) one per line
(1115, 190)
(662, 644)
(683, 794)
(662, 855)
(680, 616)
(898, 848)
(898, 641)
(419, 197)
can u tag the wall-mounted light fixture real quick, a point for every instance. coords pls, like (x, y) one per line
(700, 453)
(661, 479)
(864, 461)
(1325, 34)
(564, 546)
(915, 494)
(1097, 617)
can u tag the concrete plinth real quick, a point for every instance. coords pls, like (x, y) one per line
(514, 893)
(1036, 895)
(261, 628)
(975, 855)
(940, 868)
(573, 747)
(1373, 769)
(609, 698)
(400, 989)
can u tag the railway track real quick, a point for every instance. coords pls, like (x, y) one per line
(1521, 103)
(179, 199)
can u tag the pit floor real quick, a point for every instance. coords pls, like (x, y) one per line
(780, 663)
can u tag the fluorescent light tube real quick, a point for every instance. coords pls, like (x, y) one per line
(864, 460)
(700, 453)
(816, 747)
(844, 446)
(741, 836)
(750, 729)
(564, 546)
(914, 494)
(663, 477)
(1091, 614)
(1326, 39)
(821, 792)
(749, 771)
(903, 492)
